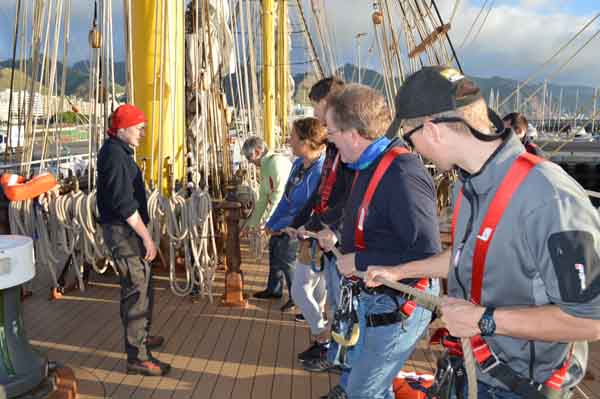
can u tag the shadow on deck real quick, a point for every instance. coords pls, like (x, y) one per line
(215, 352)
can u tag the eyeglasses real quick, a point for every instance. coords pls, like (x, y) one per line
(450, 119)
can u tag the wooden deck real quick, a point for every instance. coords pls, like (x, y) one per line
(216, 352)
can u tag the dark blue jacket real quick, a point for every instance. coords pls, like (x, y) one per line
(401, 223)
(335, 205)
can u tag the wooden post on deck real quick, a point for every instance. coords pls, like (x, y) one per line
(234, 283)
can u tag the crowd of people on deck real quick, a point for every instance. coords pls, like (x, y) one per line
(357, 206)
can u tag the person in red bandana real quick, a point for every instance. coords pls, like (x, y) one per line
(121, 200)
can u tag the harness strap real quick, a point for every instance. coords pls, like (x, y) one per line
(327, 187)
(382, 167)
(409, 306)
(513, 179)
(402, 312)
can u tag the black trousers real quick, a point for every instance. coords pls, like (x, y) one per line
(137, 288)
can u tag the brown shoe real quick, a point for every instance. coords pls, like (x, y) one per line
(146, 367)
(154, 341)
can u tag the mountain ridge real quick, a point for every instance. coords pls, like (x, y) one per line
(78, 82)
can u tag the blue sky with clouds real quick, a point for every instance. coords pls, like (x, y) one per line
(517, 38)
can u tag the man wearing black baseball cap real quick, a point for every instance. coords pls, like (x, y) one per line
(524, 268)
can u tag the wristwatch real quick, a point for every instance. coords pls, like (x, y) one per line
(487, 325)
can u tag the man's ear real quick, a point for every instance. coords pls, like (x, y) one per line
(431, 131)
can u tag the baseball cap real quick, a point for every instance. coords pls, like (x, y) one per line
(429, 91)
(125, 116)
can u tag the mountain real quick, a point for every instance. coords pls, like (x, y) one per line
(572, 95)
(19, 80)
(77, 83)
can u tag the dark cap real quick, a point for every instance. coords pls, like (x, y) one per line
(430, 91)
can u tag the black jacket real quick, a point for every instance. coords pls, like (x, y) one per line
(120, 185)
(335, 205)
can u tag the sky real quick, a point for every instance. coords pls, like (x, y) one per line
(518, 37)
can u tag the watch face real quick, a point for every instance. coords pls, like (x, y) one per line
(487, 326)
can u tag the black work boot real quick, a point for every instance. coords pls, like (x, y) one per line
(315, 351)
(320, 365)
(265, 294)
(337, 392)
(289, 305)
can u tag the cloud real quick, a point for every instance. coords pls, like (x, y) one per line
(536, 3)
(515, 41)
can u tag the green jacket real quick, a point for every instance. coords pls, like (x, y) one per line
(274, 171)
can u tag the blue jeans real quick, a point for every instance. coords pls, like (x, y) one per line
(332, 281)
(382, 351)
(282, 256)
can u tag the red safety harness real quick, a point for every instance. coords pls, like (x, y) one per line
(359, 236)
(327, 187)
(484, 355)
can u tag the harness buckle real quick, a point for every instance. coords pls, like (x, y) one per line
(490, 363)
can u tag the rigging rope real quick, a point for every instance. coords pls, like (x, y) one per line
(549, 60)
(556, 72)
(483, 22)
(473, 24)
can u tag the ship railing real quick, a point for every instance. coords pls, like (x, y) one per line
(53, 164)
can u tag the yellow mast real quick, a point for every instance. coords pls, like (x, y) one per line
(268, 27)
(159, 84)
(282, 67)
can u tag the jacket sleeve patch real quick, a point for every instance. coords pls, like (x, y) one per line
(576, 264)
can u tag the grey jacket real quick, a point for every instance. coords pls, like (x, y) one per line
(544, 251)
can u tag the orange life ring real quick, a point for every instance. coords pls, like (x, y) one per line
(403, 389)
(16, 189)
(10, 178)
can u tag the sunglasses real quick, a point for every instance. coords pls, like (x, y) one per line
(450, 119)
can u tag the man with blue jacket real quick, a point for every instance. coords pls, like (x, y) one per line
(390, 216)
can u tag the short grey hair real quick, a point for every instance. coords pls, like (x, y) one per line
(252, 143)
(362, 108)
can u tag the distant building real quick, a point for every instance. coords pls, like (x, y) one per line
(19, 98)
